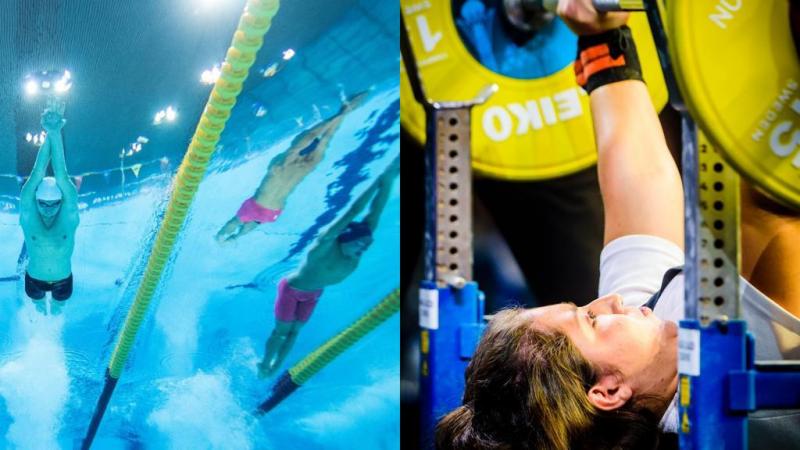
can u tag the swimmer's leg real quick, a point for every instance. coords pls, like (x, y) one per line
(62, 290)
(35, 292)
(250, 285)
(354, 101)
(278, 345)
(229, 231)
(56, 306)
(246, 228)
(41, 306)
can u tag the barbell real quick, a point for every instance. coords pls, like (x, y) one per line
(735, 62)
(532, 128)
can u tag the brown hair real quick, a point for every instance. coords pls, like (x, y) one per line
(527, 389)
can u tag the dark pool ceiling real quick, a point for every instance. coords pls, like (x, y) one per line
(128, 59)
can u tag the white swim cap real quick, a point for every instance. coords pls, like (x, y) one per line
(48, 190)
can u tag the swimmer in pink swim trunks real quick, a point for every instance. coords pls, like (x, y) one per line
(285, 172)
(334, 256)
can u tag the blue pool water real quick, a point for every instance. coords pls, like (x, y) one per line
(191, 380)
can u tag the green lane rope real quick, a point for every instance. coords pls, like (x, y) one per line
(247, 40)
(301, 372)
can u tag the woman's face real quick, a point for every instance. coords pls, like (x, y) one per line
(632, 341)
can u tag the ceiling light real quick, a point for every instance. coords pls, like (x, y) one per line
(271, 70)
(31, 87)
(210, 76)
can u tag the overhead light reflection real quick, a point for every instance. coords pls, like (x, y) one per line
(271, 70)
(210, 76)
(48, 81)
(169, 114)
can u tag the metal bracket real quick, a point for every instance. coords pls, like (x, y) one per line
(712, 233)
(451, 191)
(448, 181)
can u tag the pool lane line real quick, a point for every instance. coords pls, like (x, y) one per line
(247, 40)
(309, 366)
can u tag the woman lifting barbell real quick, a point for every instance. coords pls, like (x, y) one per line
(605, 375)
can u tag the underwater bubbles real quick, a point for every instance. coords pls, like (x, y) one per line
(201, 412)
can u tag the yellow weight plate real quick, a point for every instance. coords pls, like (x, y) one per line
(737, 69)
(530, 129)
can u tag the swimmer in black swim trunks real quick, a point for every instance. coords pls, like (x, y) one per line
(285, 172)
(49, 218)
(60, 290)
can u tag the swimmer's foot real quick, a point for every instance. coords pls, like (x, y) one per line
(355, 101)
(246, 285)
(56, 306)
(267, 369)
(41, 306)
(229, 231)
(223, 239)
(278, 346)
(263, 370)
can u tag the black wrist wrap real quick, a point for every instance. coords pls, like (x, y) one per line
(607, 58)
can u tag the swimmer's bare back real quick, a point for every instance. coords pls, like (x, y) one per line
(324, 266)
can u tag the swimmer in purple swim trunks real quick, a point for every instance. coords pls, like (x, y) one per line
(285, 172)
(334, 256)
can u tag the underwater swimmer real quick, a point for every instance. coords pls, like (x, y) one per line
(284, 174)
(49, 217)
(334, 256)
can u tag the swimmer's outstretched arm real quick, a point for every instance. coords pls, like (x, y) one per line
(639, 181)
(323, 131)
(304, 138)
(53, 126)
(326, 128)
(355, 209)
(28, 194)
(382, 196)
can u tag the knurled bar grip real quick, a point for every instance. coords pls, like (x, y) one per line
(600, 5)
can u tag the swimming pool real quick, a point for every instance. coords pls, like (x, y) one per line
(191, 379)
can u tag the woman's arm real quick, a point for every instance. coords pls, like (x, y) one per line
(640, 184)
